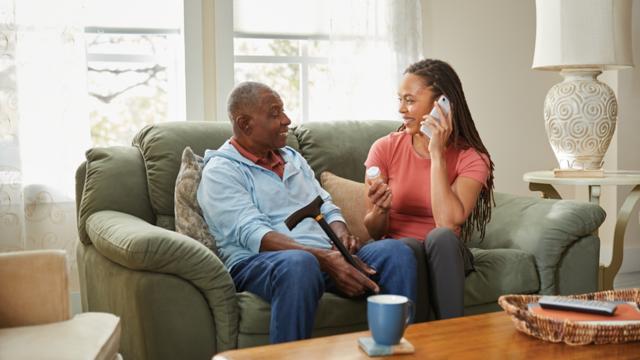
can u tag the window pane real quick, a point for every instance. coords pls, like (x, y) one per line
(133, 80)
(265, 47)
(318, 92)
(283, 78)
(124, 97)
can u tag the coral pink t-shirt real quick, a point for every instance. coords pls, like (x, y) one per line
(409, 177)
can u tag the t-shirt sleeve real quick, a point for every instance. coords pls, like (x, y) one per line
(379, 155)
(473, 165)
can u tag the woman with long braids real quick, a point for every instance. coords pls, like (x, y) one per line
(437, 190)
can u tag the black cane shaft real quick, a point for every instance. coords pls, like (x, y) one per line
(334, 239)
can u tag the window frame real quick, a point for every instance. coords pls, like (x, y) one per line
(304, 60)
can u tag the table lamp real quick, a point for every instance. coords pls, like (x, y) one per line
(580, 39)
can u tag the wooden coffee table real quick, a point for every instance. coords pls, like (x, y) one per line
(487, 336)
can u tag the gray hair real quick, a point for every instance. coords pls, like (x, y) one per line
(245, 96)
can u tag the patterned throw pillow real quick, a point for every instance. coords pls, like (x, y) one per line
(189, 220)
(348, 195)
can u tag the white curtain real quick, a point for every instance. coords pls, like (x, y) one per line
(371, 43)
(44, 126)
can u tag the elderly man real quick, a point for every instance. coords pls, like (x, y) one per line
(249, 186)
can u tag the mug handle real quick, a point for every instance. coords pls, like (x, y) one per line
(411, 314)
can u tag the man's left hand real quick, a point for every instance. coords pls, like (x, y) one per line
(351, 242)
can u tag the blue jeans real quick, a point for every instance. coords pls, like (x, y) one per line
(292, 282)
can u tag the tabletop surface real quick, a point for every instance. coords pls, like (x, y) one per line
(487, 336)
(619, 177)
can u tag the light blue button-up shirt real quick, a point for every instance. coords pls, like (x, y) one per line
(242, 201)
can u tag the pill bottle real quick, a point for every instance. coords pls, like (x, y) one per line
(373, 175)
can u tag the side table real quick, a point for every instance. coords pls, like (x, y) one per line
(543, 181)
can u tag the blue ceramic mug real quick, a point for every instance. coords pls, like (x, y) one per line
(388, 316)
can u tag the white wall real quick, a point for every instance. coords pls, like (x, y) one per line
(490, 43)
(628, 138)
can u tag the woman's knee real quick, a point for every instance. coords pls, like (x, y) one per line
(443, 239)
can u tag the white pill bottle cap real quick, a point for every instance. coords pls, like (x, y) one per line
(373, 172)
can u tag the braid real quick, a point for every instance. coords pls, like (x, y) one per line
(441, 77)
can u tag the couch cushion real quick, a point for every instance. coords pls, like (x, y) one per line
(161, 146)
(189, 220)
(499, 272)
(86, 336)
(349, 197)
(334, 312)
(340, 146)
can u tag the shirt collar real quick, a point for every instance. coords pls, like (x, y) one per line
(271, 158)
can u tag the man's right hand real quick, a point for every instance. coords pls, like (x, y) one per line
(349, 280)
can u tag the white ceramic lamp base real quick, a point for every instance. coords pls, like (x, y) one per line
(580, 118)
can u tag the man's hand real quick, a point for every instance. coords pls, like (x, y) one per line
(351, 242)
(348, 279)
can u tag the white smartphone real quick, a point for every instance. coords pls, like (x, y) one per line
(445, 106)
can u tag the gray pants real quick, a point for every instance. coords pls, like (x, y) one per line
(446, 261)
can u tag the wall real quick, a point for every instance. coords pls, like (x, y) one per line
(628, 131)
(490, 43)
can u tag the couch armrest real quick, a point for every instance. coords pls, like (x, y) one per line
(135, 244)
(34, 288)
(543, 227)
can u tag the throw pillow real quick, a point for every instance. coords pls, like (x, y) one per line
(189, 220)
(349, 196)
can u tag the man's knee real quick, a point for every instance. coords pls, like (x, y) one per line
(396, 251)
(442, 239)
(299, 266)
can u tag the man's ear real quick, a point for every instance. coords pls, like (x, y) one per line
(244, 123)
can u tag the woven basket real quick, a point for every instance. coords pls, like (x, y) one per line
(568, 331)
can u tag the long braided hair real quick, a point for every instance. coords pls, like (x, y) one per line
(442, 79)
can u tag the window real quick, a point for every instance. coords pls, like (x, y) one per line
(135, 66)
(288, 53)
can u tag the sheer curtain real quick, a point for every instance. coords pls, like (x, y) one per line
(44, 127)
(371, 43)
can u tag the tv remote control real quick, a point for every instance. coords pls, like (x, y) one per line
(569, 304)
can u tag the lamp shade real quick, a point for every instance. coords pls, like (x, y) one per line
(583, 34)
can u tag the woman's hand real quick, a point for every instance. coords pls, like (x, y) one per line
(380, 195)
(440, 130)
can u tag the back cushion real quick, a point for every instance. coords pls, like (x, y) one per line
(161, 146)
(341, 147)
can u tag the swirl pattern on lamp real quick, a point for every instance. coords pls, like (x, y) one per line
(580, 119)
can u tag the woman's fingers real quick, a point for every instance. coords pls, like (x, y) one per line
(377, 193)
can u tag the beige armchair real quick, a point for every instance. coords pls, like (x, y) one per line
(35, 318)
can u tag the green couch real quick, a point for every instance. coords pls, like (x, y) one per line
(175, 297)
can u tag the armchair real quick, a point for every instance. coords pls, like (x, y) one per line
(35, 319)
